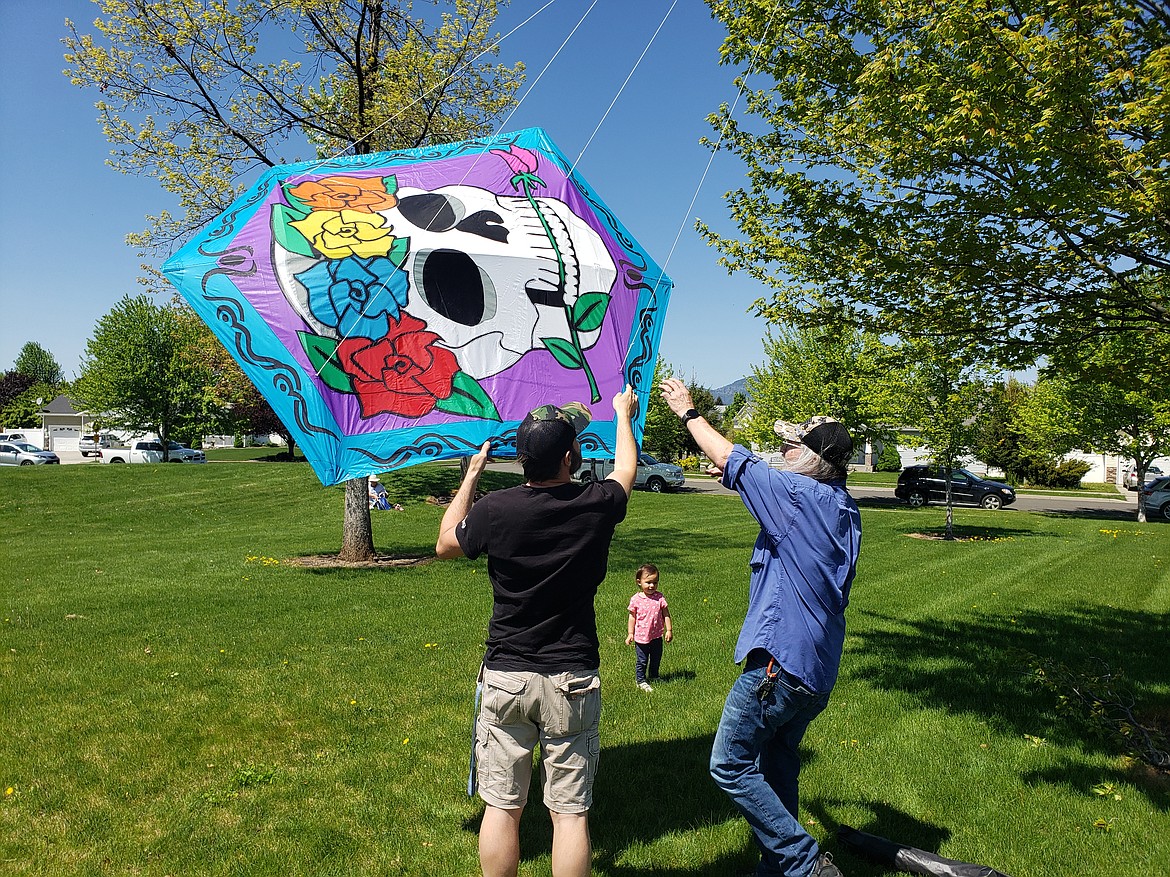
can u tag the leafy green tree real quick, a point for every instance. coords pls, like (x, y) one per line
(1116, 392)
(947, 387)
(986, 168)
(999, 435)
(12, 385)
(24, 409)
(734, 407)
(833, 369)
(137, 371)
(663, 434)
(36, 362)
(201, 95)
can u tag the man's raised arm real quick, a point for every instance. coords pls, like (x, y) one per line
(625, 458)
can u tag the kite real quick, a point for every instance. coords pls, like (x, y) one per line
(408, 306)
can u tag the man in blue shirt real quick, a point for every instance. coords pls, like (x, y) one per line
(802, 568)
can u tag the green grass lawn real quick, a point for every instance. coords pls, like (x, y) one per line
(179, 698)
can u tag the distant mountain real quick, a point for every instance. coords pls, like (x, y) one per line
(728, 392)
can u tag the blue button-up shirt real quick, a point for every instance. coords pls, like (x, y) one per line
(802, 567)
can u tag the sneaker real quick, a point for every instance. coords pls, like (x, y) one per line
(825, 867)
(645, 686)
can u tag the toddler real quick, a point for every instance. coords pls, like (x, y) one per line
(649, 624)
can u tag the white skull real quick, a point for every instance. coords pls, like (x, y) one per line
(485, 277)
(483, 274)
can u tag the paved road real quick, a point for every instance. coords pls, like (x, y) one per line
(1089, 505)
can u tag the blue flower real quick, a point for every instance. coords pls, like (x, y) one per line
(356, 295)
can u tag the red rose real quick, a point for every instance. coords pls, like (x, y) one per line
(402, 373)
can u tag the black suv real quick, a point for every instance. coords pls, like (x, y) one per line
(919, 485)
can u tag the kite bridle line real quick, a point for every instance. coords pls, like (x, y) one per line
(711, 158)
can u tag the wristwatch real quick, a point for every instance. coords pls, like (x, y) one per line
(689, 415)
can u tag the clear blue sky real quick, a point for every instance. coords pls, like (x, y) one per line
(64, 263)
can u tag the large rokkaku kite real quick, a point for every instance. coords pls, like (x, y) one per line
(408, 306)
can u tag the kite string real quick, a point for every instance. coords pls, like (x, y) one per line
(722, 133)
(711, 157)
(622, 87)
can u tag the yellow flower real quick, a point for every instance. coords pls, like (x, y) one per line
(341, 233)
(10, 791)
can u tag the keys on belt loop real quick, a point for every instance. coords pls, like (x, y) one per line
(768, 683)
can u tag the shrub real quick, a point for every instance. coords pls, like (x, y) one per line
(1051, 473)
(689, 463)
(888, 459)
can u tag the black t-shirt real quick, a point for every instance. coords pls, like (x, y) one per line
(547, 550)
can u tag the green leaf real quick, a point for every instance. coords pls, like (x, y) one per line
(296, 205)
(589, 311)
(399, 250)
(468, 398)
(564, 352)
(322, 353)
(287, 236)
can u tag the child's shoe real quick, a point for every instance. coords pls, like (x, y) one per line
(645, 686)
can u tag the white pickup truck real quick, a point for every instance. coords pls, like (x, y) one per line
(651, 474)
(151, 451)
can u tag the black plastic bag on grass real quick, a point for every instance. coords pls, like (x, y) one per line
(909, 859)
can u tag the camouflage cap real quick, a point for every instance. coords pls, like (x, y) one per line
(547, 432)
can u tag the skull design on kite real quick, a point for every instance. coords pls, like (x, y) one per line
(493, 277)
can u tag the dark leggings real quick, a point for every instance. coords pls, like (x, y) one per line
(647, 653)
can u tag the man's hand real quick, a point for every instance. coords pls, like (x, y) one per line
(478, 462)
(677, 396)
(625, 403)
(710, 441)
(447, 544)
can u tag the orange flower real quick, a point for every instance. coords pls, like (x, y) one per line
(367, 194)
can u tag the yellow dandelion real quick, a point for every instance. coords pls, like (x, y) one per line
(405, 740)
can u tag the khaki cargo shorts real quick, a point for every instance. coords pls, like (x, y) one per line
(561, 711)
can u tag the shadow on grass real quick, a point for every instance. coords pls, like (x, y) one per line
(674, 771)
(984, 668)
(1124, 515)
(974, 533)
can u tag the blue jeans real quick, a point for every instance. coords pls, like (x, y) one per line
(756, 761)
(647, 656)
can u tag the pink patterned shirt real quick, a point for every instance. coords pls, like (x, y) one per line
(647, 611)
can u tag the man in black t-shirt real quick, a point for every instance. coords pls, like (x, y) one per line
(547, 544)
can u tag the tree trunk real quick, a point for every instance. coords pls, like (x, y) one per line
(357, 538)
(950, 534)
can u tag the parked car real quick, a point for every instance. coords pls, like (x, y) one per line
(13, 437)
(919, 485)
(151, 451)
(24, 454)
(1131, 477)
(93, 444)
(1156, 498)
(651, 474)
